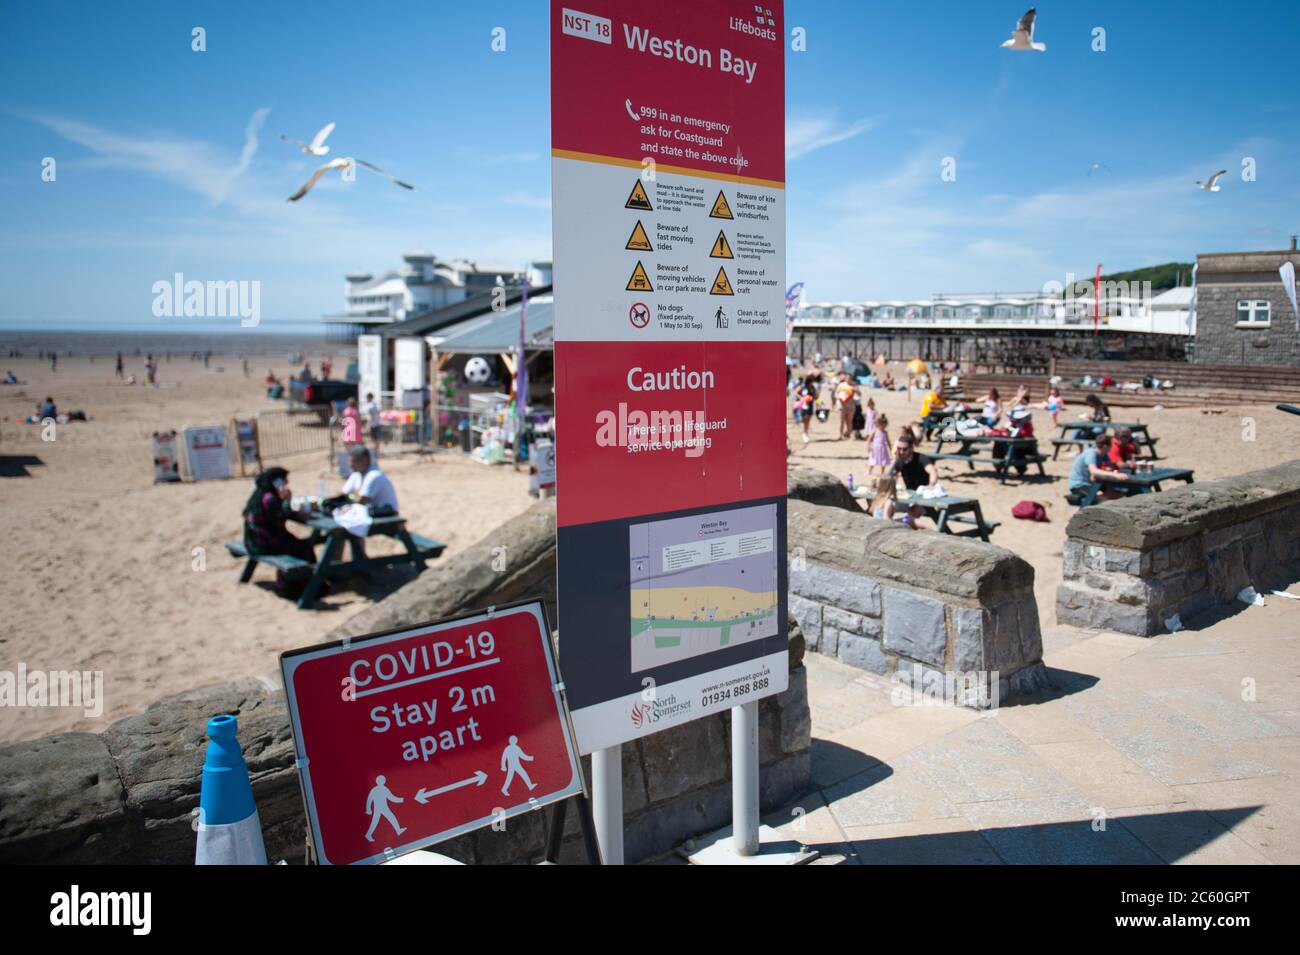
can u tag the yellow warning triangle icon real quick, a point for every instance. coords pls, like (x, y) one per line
(638, 240)
(720, 208)
(640, 282)
(721, 247)
(637, 199)
(721, 284)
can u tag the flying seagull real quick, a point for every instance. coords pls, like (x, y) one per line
(317, 146)
(1022, 37)
(1213, 184)
(1098, 166)
(344, 163)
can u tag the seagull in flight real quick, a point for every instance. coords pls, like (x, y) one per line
(344, 164)
(317, 146)
(1213, 184)
(1097, 167)
(1022, 37)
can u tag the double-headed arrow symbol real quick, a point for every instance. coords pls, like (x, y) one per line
(478, 779)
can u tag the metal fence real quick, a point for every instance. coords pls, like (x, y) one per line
(293, 431)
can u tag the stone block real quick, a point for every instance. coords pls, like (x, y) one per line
(914, 626)
(968, 626)
(851, 622)
(796, 719)
(865, 653)
(837, 588)
(684, 757)
(808, 613)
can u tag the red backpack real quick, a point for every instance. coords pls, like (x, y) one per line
(1030, 511)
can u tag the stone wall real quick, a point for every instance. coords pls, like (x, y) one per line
(1131, 564)
(1219, 340)
(128, 795)
(881, 597)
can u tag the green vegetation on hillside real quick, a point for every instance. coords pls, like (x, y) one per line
(1161, 277)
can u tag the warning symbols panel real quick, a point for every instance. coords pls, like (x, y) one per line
(721, 247)
(720, 208)
(637, 199)
(640, 242)
(640, 282)
(721, 284)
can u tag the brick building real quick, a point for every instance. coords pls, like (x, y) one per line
(1243, 314)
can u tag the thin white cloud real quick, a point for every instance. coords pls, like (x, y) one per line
(526, 199)
(809, 133)
(193, 165)
(513, 159)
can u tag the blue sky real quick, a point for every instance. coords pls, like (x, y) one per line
(170, 160)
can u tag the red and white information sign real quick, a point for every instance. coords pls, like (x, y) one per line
(408, 738)
(668, 198)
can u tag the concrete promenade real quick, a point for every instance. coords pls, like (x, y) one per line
(1186, 745)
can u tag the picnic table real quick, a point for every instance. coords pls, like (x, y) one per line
(1074, 434)
(1003, 453)
(1139, 482)
(334, 535)
(945, 511)
(938, 419)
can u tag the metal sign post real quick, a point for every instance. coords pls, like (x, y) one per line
(607, 798)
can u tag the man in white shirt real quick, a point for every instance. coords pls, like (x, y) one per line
(368, 485)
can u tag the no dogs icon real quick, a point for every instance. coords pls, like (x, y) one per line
(639, 315)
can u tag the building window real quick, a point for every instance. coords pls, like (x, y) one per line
(1252, 313)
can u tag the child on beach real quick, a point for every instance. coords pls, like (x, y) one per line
(1055, 404)
(878, 447)
(885, 504)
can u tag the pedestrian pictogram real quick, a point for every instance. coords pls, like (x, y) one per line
(640, 282)
(377, 808)
(639, 241)
(637, 199)
(512, 759)
(721, 284)
(720, 208)
(639, 315)
(720, 317)
(721, 247)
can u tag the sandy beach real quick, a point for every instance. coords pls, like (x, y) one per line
(101, 561)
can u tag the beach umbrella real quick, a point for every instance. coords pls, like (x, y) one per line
(916, 366)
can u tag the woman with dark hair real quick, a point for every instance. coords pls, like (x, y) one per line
(1100, 414)
(266, 515)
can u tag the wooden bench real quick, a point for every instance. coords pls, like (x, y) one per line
(284, 562)
(427, 546)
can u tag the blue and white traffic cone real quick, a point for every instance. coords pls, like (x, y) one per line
(229, 830)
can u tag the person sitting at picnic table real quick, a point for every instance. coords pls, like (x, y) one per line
(1123, 449)
(916, 469)
(1021, 422)
(885, 503)
(931, 402)
(265, 522)
(1094, 465)
(368, 485)
(992, 408)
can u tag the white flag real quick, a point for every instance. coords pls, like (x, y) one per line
(1287, 271)
(1191, 304)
